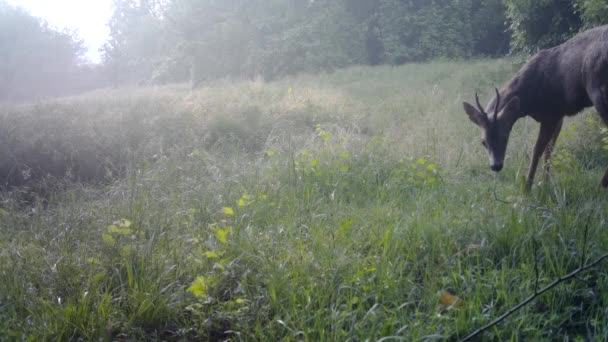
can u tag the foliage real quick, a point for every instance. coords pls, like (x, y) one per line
(418, 31)
(215, 39)
(138, 43)
(210, 39)
(593, 12)
(491, 36)
(268, 38)
(35, 59)
(165, 41)
(542, 24)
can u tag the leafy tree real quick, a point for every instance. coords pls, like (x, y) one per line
(35, 60)
(215, 38)
(541, 23)
(324, 36)
(246, 38)
(418, 30)
(593, 12)
(269, 38)
(138, 41)
(491, 36)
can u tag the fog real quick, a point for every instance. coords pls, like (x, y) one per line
(61, 47)
(89, 18)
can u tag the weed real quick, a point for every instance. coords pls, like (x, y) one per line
(344, 206)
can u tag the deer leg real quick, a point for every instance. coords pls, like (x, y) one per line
(600, 101)
(546, 132)
(604, 181)
(551, 146)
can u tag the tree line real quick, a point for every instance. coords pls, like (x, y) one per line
(206, 39)
(158, 41)
(37, 60)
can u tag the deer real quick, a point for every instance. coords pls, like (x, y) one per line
(554, 83)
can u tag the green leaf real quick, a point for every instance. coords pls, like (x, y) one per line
(113, 229)
(199, 287)
(125, 250)
(93, 261)
(98, 277)
(345, 227)
(228, 211)
(222, 234)
(211, 255)
(125, 223)
(109, 240)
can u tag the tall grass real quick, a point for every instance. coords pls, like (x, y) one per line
(327, 207)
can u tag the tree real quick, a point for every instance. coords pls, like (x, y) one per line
(324, 36)
(272, 38)
(491, 36)
(138, 41)
(268, 38)
(593, 12)
(538, 24)
(418, 30)
(35, 60)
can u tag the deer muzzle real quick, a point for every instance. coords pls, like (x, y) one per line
(496, 167)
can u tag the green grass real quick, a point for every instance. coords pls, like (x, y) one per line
(322, 208)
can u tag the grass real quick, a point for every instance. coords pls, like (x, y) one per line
(321, 208)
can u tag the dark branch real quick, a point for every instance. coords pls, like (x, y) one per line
(535, 243)
(586, 234)
(571, 275)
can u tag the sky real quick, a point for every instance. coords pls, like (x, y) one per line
(88, 17)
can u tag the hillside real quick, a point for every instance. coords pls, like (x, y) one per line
(326, 207)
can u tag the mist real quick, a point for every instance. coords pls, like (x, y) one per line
(297, 170)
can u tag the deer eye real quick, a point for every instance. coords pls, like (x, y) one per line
(484, 143)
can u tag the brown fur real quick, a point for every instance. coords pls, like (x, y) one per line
(556, 82)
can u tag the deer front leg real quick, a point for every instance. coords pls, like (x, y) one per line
(551, 146)
(546, 132)
(599, 97)
(604, 181)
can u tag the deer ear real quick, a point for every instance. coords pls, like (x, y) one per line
(512, 110)
(475, 115)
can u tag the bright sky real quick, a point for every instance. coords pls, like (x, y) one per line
(88, 17)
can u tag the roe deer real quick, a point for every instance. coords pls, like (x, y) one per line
(554, 83)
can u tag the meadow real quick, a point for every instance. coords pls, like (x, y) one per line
(332, 207)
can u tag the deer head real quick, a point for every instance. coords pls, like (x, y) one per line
(495, 129)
